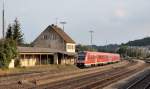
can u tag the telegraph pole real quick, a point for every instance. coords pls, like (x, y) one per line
(3, 20)
(91, 32)
(63, 23)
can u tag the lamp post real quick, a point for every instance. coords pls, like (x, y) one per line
(91, 33)
(3, 20)
(63, 23)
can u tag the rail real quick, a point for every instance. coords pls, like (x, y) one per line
(94, 81)
(147, 86)
(139, 81)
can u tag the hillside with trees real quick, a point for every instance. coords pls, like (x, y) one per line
(107, 48)
(140, 42)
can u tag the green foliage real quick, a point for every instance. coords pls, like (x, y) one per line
(133, 51)
(8, 46)
(14, 32)
(112, 48)
(85, 48)
(109, 48)
(17, 34)
(122, 51)
(141, 42)
(9, 33)
(8, 51)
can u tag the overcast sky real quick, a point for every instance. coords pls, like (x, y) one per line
(113, 21)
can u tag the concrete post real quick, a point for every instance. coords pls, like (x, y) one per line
(55, 58)
(24, 60)
(40, 59)
(47, 59)
(64, 59)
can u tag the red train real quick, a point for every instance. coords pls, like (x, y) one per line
(87, 58)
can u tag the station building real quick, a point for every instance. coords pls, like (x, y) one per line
(52, 46)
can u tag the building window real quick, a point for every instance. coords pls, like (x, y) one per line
(45, 37)
(52, 36)
(55, 37)
(73, 47)
(70, 47)
(67, 46)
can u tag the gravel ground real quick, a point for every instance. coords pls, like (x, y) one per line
(125, 82)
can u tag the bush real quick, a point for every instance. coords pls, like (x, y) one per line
(8, 51)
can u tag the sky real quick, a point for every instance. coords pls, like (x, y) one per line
(113, 21)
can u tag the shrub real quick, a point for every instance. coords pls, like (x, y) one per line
(8, 51)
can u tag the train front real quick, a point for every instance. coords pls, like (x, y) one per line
(81, 59)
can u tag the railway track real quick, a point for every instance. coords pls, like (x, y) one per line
(49, 79)
(142, 83)
(32, 76)
(95, 80)
(78, 81)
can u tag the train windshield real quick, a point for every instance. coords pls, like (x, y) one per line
(81, 56)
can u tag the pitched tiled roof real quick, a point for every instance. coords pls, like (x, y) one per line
(61, 33)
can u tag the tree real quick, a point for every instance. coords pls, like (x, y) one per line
(85, 48)
(8, 51)
(9, 33)
(122, 50)
(17, 34)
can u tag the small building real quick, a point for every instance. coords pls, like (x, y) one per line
(52, 46)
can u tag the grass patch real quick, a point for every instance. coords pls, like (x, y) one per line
(41, 68)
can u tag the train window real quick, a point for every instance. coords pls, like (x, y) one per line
(102, 56)
(106, 57)
(99, 57)
(109, 57)
(91, 57)
(81, 58)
